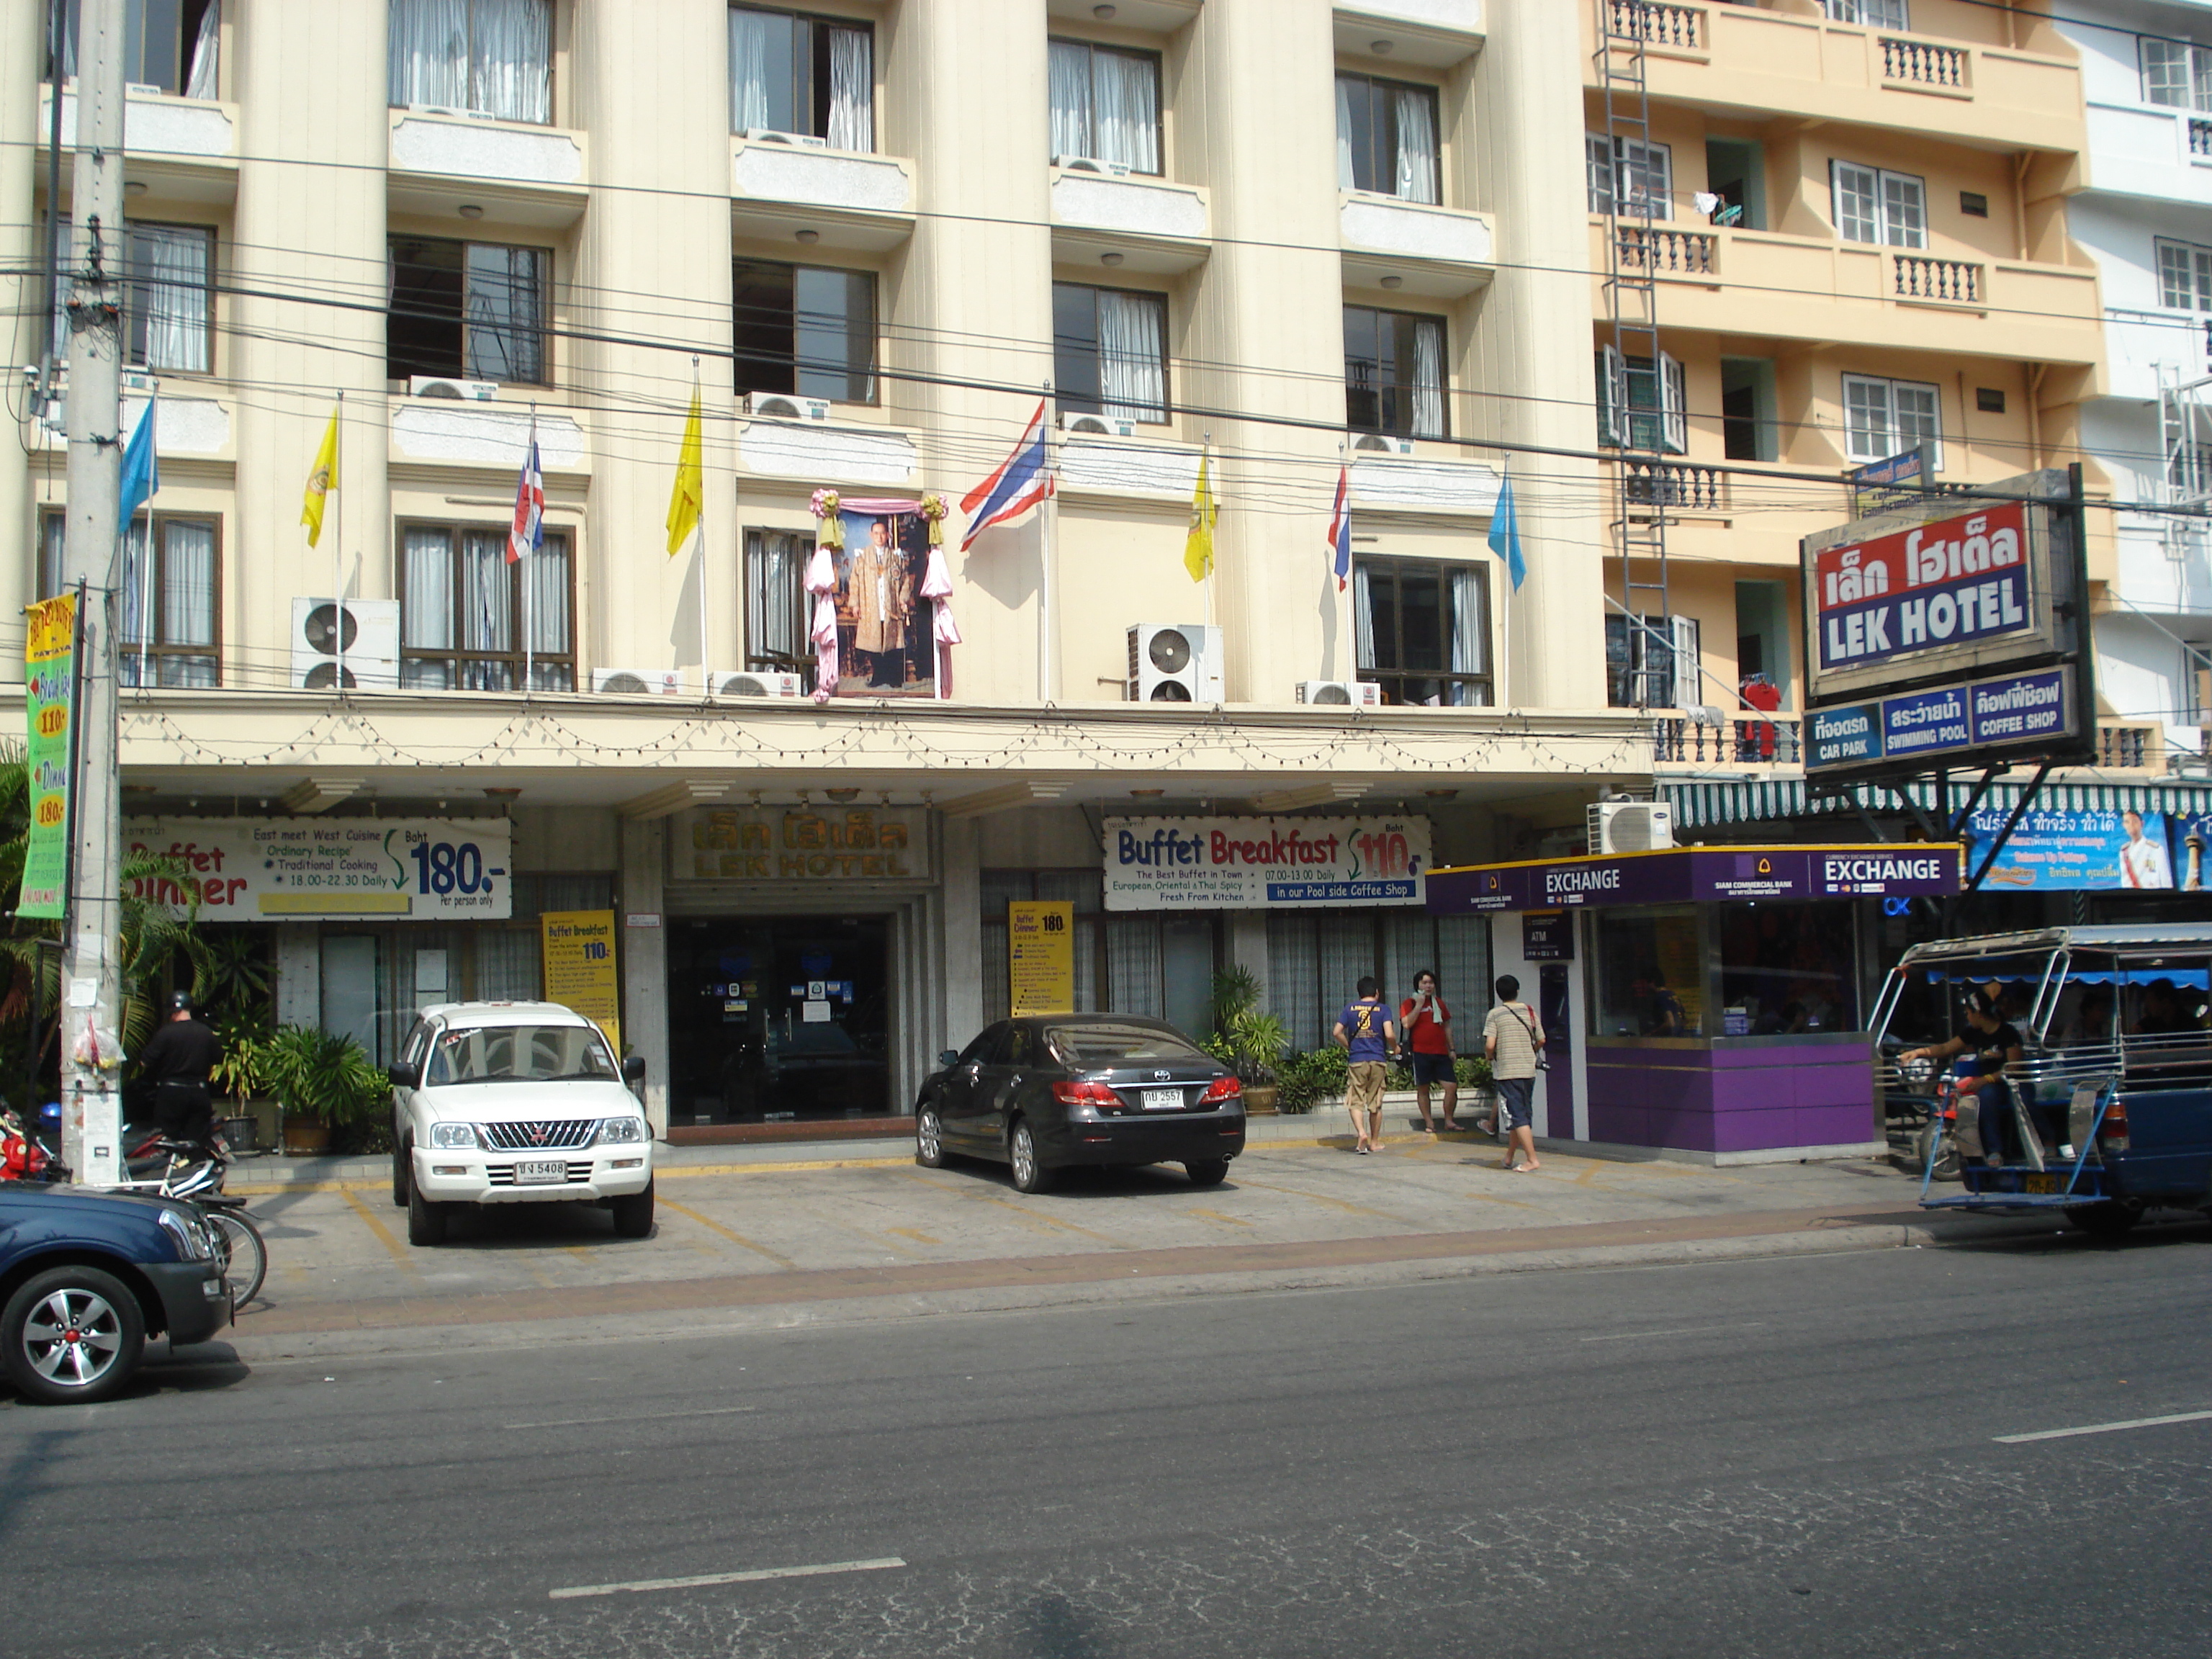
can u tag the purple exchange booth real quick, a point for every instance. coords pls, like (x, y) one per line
(1716, 997)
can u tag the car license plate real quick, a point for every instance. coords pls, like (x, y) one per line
(540, 1175)
(1164, 1100)
(2044, 1183)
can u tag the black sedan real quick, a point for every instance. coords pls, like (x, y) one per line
(1050, 1091)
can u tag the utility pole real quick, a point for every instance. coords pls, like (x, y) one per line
(92, 1000)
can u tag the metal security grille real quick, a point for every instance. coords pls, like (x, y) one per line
(556, 1134)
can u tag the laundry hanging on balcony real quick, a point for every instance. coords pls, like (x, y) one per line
(882, 621)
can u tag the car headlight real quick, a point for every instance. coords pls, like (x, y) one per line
(451, 1135)
(191, 1239)
(621, 1131)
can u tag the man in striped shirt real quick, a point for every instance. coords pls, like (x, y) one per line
(1512, 1037)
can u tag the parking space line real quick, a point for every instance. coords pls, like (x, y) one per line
(1215, 1215)
(384, 1235)
(1050, 1222)
(780, 1260)
(635, 1416)
(1344, 1204)
(706, 1578)
(915, 1234)
(2102, 1428)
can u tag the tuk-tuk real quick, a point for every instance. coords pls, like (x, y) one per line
(2108, 1112)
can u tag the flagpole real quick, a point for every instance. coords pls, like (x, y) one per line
(529, 576)
(337, 550)
(1212, 511)
(706, 672)
(1048, 525)
(145, 595)
(1341, 597)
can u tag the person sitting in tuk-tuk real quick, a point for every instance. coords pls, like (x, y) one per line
(1989, 1045)
(2093, 1020)
(2162, 1014)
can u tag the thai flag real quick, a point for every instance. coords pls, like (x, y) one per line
(1339, 530)
(1022, 480)
(527, 534)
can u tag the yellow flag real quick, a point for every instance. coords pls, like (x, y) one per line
(321, 480)
(690, 495)
(1197, 548)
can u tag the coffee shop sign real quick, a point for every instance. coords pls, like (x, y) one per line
(771, 843)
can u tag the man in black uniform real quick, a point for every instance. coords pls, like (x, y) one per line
(174, 1065)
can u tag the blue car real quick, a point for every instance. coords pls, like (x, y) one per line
(85, 1277)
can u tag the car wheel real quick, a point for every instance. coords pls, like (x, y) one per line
(1030, 1175)
(403, 1158)
(426, 1222)
(632, 1213)
(928, 1138)
(1206, 1171)
(72, 1335)
(2107, 1220)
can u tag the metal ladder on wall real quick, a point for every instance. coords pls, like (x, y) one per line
(1640, 492)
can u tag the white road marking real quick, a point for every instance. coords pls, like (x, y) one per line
(632, 1416)
(1679, 1330)
(2104, 1428)
(752, 1577)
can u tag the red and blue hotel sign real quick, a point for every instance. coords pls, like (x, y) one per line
(1691, 875)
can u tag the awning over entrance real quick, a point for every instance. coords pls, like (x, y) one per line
(1708, 805)
(1681, 875)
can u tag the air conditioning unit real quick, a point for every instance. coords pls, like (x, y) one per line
(441, 386)
(1341, 694)
(368, 631)
(1096, 426)
(135, 379)
(1174, 662)
(782, 406)
(1090, 164)
(1630, 826)
(1374, 443)
(797, 140)
(638, 681)
(754, 683)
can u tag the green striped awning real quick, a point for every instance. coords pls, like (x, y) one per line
(1709, 805)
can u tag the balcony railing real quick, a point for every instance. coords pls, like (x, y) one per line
(1675, 484)
(1918, 278)
(2130, 746)
(1668, 252)
(1759, 740)
(1924, 63)
(2200, 135)
(1656, 24)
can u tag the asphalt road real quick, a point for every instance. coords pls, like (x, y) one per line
(1789, 1457)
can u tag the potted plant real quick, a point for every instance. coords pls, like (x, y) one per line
(1256, 1040)
(323, 1081)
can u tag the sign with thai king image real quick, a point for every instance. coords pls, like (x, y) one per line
(49, 699)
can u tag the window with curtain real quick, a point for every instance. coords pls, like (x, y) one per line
(1393, 373)
(1109, 352)
(1638, 177)
(1315, 961)
(1873, 205)
(471, 621)
(167, 606)
(488, 57)
(810, 76)
(1138, 950)
(1872, 14)
(168, 45)
(169, 302)
(1882, 418)
(2185, 275)
(775, 601)
(1423, 632)
(2177, 73)
(805, 329)
(1386, 137)
(473, 310)
(1105, 105)
(1642, 404)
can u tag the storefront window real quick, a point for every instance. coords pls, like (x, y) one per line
(1786, 969)
(1650, 978)
(1315, 961)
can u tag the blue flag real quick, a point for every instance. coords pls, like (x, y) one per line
(1505, 534)
(141, 472)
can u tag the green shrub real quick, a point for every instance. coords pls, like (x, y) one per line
(1304, 1078)
(324, 1075)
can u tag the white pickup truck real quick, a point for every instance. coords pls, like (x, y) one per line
(516, 1103)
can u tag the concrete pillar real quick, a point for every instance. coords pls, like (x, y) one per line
(962, 968)
(644, 853)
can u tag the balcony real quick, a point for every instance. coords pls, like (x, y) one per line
(1738, 60)
(1435, 33)
(180, 149)
(1442, 254)
(2150, 150)
(1148, 468)
(1730, 737)
(1757, 282)
(1418, 484)
(827, 452)
(849, 199)
(1154, 225)
(533, 176)
(443, 432)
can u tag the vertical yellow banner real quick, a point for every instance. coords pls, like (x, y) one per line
(1041, 957)
(580, 966)
(49, 688)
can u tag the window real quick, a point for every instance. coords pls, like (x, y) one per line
(2177, 73)
(1653, 662)
(1393, 373)
(491, 58)
(1873, 205)
(2185, 275)
(1423, 631)
(1386, 138)
(170, 302)
(803, 75)
(1882, 418)
(1106, 105)
(805, 331)
(1109, 352)
(1649, 972)
(1315, 960)
(1748, 430)
(1639, 177)
(169, 45)
(1735, 172)
(1097, 962)
(1786, 968)
(465, 613)
(1641, 406)
(1874, 14)
(775, 601)
(178, 591)
(472, 309)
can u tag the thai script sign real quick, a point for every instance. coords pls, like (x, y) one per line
(800, 844)
(2054, 848)
(1957, 582)
(1206, 864)
(2010, 711)
(1690, 875)
(49, 699)
(578, 949)
(298, 869)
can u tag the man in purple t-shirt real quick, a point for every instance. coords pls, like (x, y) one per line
(1365, 1032)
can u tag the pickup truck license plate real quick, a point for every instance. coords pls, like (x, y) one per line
(1164, 1100)
(540, 1175)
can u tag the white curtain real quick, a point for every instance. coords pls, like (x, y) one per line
(512, 54)
(1347, 956)
(427, 52)
(1346, 178)
(1132, 357)
(1293, 980)
(1134, 981)
(1416, 145)
(748, 67)
(852, 90)
(1070, 65)
(427, 621)
(173, 264)
(545, 599)
(201, 80)
(187, 614)
(132, 633)
(507, 965)
(1127, 91)
(1362, 617)
(1470, 634)
(1428, 378)
(776, 609)
(486, 621)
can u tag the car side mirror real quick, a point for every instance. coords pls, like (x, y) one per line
(634, 1069)
(949, 1057)
(403, 1076)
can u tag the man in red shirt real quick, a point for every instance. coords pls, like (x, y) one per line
(1426, 1024)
